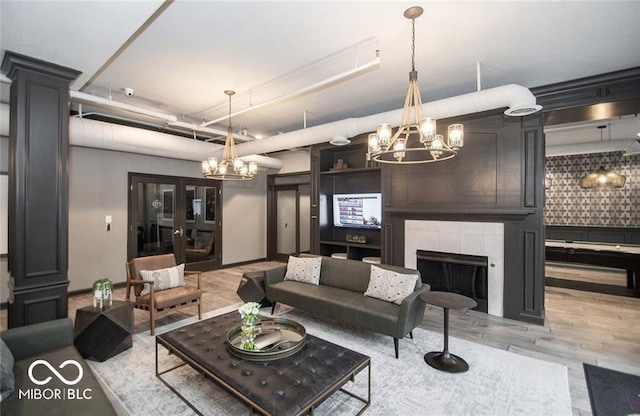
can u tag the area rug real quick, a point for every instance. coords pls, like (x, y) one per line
(611, 392)
(497, 383)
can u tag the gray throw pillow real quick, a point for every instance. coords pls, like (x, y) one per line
(7, 382)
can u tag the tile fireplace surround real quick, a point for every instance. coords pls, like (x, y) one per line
(462, 237)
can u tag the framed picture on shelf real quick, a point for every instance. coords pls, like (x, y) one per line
(210, 205)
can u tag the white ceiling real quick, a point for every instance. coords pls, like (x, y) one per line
(182, 61)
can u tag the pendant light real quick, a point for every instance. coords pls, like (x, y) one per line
(230, 168)
(602, 178)
(415, 140)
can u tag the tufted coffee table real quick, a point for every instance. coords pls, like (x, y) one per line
(292, 385)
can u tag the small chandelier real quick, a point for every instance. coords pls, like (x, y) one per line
(602, 178)
(416, 140)
(230, 168)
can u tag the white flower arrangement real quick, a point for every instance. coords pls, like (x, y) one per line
(249, 311)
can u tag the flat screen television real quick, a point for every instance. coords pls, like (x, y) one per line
(357, 210)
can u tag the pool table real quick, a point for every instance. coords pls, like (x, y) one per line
(617, 256)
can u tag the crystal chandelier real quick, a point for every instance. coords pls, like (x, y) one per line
(230, 168)
(602, 178)
(416, 140)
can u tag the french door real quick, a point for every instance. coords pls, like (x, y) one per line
(175, 215)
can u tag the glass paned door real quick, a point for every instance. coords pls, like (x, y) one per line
(175, 215)
(156, 219)
(200, 223)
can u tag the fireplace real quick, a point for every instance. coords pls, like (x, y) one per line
(458, 273)
(467, 238)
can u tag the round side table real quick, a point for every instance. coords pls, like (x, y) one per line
(445, 361)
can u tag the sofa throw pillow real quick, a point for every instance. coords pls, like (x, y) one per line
(390, 286)
(304, 269)
(7, 380)
(163, 278)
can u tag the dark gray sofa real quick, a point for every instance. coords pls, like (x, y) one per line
(52, 342)
(340, 296)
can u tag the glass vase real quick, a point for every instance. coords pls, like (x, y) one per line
(248, 331)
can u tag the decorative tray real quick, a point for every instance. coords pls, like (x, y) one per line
(281, 338)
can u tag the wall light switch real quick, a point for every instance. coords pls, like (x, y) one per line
(108, 222)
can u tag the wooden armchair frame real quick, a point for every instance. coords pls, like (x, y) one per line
(165, 301)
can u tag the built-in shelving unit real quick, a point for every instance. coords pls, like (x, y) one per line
(356, 178)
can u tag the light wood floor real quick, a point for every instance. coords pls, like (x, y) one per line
(580, 326)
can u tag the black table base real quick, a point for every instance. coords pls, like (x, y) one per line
(445, 361)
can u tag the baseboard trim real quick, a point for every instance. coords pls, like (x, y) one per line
(243, 263)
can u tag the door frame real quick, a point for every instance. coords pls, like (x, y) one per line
(282, 182)
(181, 184)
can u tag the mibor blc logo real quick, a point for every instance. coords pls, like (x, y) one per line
(55, 393)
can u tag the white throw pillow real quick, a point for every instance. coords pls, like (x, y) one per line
(390, 286)
(163, 278)
(304, 269)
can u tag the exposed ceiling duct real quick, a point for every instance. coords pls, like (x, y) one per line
(629, 147)
(100, 135)
(519, 100)
(91, 133)
(170, 119)
(97, 134)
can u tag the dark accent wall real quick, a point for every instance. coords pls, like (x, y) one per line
(620, 89)
(38, 189)
(496, 177)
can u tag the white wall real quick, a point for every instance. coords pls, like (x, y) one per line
(98, 181)
(244, 220)
(294, 160)
(244, 226)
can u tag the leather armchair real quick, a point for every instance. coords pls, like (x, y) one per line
(160, 302)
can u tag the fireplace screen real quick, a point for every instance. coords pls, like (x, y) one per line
(458, 273)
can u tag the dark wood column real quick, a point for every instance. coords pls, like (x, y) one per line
(38, 188)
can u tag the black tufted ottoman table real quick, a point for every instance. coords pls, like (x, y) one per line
(293, 385)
